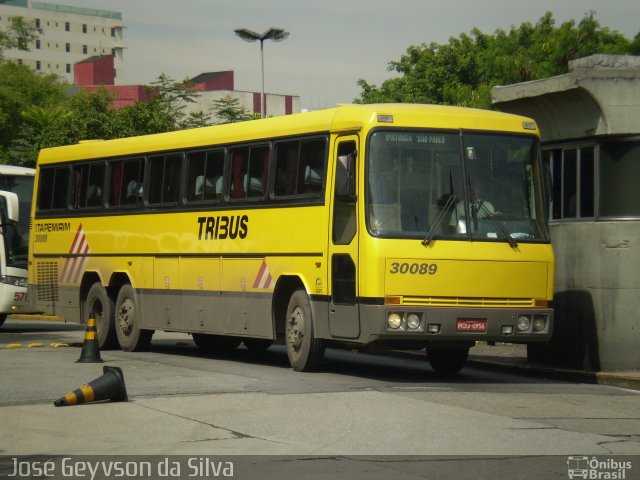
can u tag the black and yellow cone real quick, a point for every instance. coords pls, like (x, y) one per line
(110, 386)
(90, 348)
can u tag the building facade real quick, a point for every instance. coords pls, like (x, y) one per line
(69, 35)
(590, 124)
(213, 86)
(85, 47)
(97, 72)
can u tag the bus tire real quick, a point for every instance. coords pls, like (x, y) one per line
(99, 305)
(131, 337)
(305, 352)
(447, 361)
(215, 344)
(3, 317)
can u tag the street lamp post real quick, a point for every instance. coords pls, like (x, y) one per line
(274, 34)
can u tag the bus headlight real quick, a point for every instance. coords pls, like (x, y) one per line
(524, 323)
(539, 323)
(394, 321)
(413, 321)
(15, 281)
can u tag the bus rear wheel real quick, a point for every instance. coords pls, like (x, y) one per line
(305, 352)
(447, 361)
(131, 337)
(99, 306)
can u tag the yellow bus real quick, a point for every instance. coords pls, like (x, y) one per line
(366, 226)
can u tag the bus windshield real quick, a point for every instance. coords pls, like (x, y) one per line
(16, 235)
(453, 185)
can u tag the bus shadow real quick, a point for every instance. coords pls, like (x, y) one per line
(270, 357)
(389, 367)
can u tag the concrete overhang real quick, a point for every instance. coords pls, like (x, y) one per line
(599, 96)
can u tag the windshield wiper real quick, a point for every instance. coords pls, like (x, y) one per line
(490, 216)
(451, 201)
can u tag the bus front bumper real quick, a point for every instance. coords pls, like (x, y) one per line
(425, 325)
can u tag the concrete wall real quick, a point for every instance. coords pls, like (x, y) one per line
(276, 105)
(599, 96)
(597, 296)
(597, 291)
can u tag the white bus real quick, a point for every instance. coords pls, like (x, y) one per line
(16, 188)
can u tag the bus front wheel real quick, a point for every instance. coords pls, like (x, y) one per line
(447, 361)
(99, 306)
(131, 337)
(305, 352)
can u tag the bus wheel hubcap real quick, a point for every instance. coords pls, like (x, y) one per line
(296, 328)
(126, 316)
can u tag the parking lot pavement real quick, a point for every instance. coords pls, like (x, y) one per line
(20, 332)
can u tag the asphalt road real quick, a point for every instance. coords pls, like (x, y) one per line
(345, 419)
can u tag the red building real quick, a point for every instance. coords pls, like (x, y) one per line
(98, 72)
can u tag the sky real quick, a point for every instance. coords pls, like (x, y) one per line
(332, 44)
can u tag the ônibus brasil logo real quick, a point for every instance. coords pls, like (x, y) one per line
(597, 469)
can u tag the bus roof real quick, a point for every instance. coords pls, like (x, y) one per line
(343, 118)
(17, 171)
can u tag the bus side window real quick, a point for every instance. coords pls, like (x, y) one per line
(312, 166)
(286, 170)
(239, 158)
(88, 184)
(53, 187)
(131, 185)
(257, 177)
(115, 183)
(300, 167)
(164, 179)
(205, 171)
(96, 185)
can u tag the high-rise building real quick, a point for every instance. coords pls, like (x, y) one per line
(69, 35)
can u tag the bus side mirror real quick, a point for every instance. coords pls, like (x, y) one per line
(346, 178)
(9, 209)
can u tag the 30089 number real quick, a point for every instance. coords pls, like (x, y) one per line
(413, 268)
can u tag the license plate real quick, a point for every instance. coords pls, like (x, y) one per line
(471, 325)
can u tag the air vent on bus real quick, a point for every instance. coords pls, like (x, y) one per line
(47, 281)
(469, 302)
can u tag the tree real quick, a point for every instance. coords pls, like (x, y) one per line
(229, 110)
(173, 97)
(21, 89)
(143, 118)
(19, 34)
(37, 112)
(463, 71)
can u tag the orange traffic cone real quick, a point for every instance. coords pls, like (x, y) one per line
(90, 348)
(110, 386)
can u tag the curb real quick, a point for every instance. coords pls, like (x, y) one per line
(629, 380)
(612, 379)
(10, 346)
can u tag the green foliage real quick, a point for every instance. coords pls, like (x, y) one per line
(37, 112)
(229, 110)
(634, 49)
(463, 71)
(23, 91)
(19, 34)
(172, 99)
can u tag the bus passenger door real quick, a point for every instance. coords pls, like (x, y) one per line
(344, 321)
